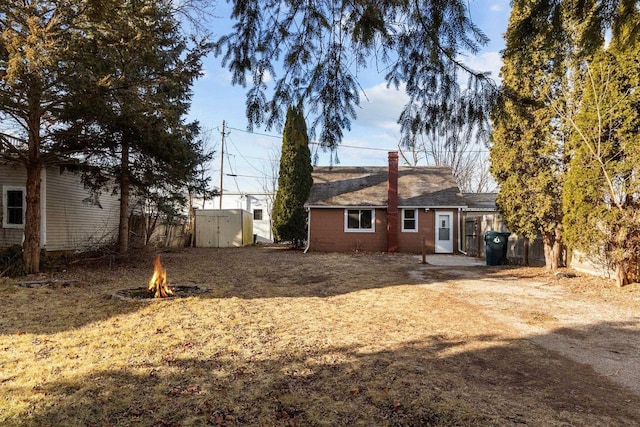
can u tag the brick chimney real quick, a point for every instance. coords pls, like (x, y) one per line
(392, 203)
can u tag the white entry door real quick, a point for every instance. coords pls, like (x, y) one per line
(444, 233)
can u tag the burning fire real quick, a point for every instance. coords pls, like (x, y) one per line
(158, 282)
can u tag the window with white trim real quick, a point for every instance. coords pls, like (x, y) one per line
(410, 220)
(13, 207)
(359, 220)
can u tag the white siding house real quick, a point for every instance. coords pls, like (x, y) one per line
(72, 220)
(13, 182)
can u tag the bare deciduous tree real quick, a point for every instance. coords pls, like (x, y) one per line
(468, 161)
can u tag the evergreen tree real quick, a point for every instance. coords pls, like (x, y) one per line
(294, 181)
(526, 154)
(548, 45)
(590, 19)
(43, 85)
(135, 71)
(35, 76)
(601, 204)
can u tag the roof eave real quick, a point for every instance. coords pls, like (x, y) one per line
(385, 206)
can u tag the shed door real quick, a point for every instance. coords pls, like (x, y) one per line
(221, 232)
(444, 233)
(212, 231)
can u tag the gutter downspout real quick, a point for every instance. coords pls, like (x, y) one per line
(308, 230)
(459, 233)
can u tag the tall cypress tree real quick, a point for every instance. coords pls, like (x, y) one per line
(602, 209)
(526, 155)
(294, 181)
(548, 44)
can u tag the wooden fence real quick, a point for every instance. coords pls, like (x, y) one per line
(520, 251)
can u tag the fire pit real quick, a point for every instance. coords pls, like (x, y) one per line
(159, 288)
(141, 293)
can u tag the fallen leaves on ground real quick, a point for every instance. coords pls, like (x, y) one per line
(282, 339)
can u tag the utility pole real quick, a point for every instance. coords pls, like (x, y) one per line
(221, 164)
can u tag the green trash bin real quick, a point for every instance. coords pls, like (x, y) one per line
(496, 247)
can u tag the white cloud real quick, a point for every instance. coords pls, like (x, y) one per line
(374, 131)
(486, 61)
(267, 77)
(222, 76)
(380, 107)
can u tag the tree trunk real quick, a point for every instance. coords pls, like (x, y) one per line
(621, 274)
(547, 253)
(552, 242)
(169, 236)
(31, 245)
(556, 251)
(123, 227)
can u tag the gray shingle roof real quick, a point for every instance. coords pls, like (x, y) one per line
(481, 201)
(419, 186)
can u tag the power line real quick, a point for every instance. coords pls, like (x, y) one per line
(353, 147)
(236, 175)
(245, 158)
(312, 142)
(235, 180)
(256, 133)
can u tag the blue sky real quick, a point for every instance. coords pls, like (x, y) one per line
(373, 133)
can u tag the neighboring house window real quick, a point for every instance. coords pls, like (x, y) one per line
(410, 220)
(13, 203)
(359, 220)
(257, 214)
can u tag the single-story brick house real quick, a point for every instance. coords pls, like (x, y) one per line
(380, 209)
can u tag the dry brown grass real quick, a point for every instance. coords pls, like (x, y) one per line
(283, 339)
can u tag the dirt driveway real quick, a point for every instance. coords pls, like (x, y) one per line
(583, 318)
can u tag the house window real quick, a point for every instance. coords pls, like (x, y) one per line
(359, 220)
(257, 214)
(13, 203)
(410, 220)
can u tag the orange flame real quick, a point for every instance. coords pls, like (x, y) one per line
(158, 282)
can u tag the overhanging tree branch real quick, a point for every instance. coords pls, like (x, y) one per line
(312, 40)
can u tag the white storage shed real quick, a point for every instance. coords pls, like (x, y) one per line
(223, 228)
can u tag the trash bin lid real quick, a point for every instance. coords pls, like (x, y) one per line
(497, 237)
